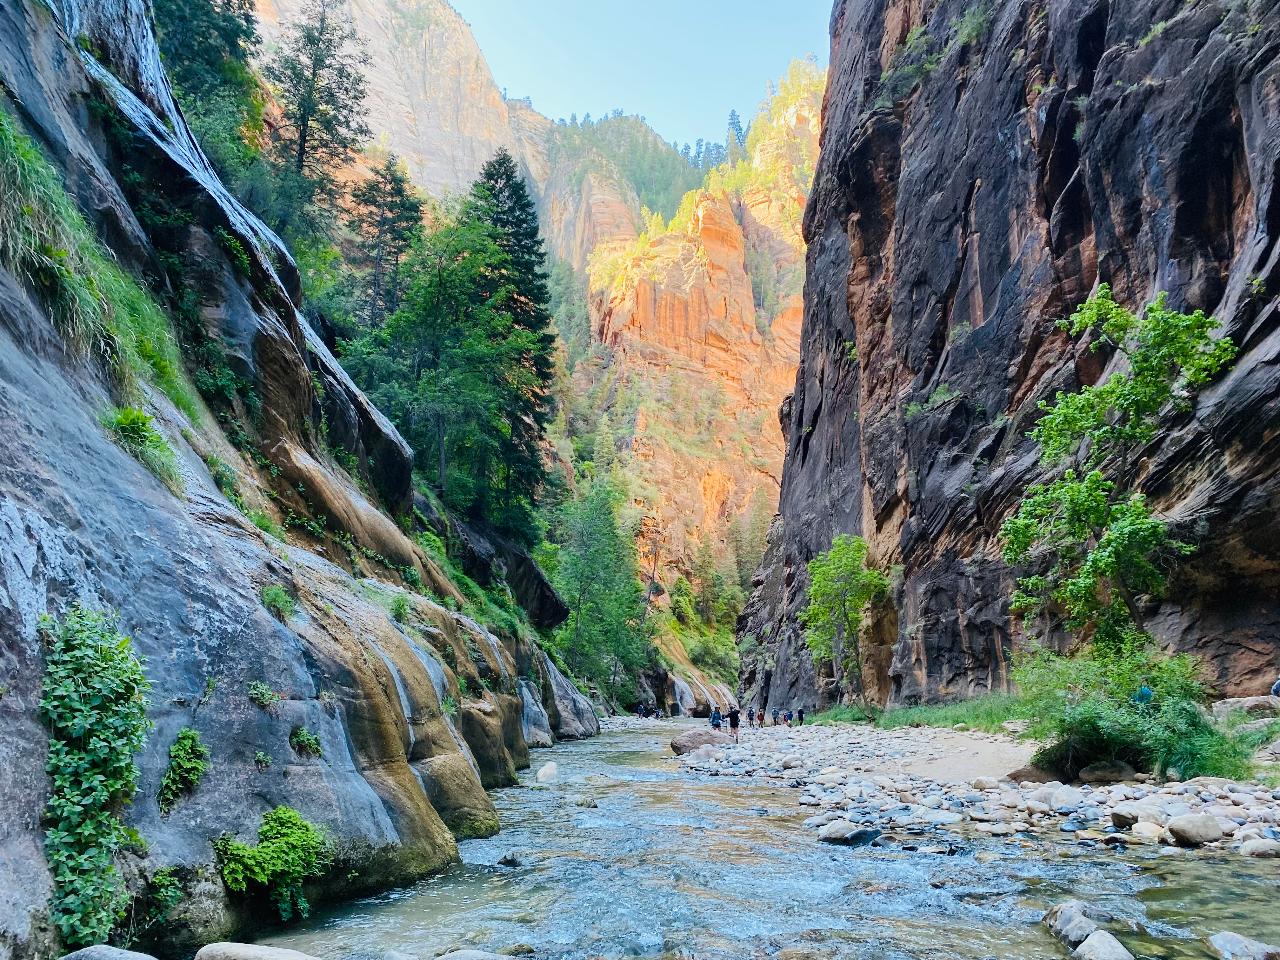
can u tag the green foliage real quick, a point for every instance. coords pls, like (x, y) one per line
(134, 430)
(276, 599)
(841, 586)
(94, 702)
(606, 637)
(1102, 546)
(305, 743)
(1129, 703)
(974, 24)
(226, 480)
(289, 852)
(911, 64)
(385, 214)
(942, 395)
(987, 713)
(711, 649)
(400, 608)
(162, 893)
(234, 249)
(264, 522)
(188, 760)
(263, 696)
(262, 760)
(1154, 32)
(841, 714)
(45, 242)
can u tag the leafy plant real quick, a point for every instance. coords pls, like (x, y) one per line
(400, 608)
(943, 394)
(263, 695)
(289, 851)
(162, 893)
(973, 24)
(135, 431)
(262, 760)
(94, 702)
(841, 585)
(263, 522)
(305, 743)
(276, 599)
(188, 760)
(226, 480)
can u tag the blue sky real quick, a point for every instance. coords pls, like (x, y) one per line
(682, 64)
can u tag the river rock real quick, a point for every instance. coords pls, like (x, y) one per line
(1146, 831)
(472, 955)
(1107, 771)
(1194, 830)
(1261, 848)
(103, 952)
(847, 833)
(986, 783)
(1070, 923)
(1101, 945)
(1066, 799)
(1232, 946)
(547, 773)
(691, 740)
(245, 951)
(1251, 706)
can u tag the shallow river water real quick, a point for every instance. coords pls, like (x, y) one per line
(672, 865)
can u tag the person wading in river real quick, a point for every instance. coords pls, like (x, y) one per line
(800, 717)
(715, 717)
(735, 716)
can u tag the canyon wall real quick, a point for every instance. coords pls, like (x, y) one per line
(416, 706)
(965, 200)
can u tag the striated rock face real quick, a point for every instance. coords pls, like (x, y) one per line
(432, 98)
(1067, 144)
(407, 745)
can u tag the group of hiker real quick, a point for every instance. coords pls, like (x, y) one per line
(754, 719)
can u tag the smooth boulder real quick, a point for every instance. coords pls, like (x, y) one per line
(103, 952)
(1232, 946)
(1194, 830)
(1107, 771)
(691, 740)
(1070, 923)
(1101, 946)
(847, 833)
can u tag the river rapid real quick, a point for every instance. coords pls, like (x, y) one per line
(625, 855)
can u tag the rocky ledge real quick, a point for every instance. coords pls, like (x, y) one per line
(867, 784)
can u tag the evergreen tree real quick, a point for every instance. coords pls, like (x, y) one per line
(502, 200)
(386, 216)
(206, 45)
(318, 73)
(604, 450)
(735, 139)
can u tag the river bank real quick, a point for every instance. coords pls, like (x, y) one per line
(627, 852)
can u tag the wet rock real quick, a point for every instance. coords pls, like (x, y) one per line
(517, 950)
(246, 951)
(472, 955)
(1066, 799)
(1070, 923)
(1107, 771)
(1101, 946)
(510, 859)
(103, 952)
(547, 773)
(1261, 847)
(847, 833)
(1194, 830)
(1146, 832)
(1232, 946)
(691, 740)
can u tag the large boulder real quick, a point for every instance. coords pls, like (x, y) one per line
(1070, 922)
(1232, 946)
(103, 952)
(1107, 771)
(691, 740)
(1256, 707)
(1194, 830)
(246, 951)
(1101, 945)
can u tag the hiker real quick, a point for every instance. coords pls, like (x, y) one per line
(735, 716)
(776, 713)
(787, 717)
(800, 717)
(760, 717)
(716, 718)
(751, 719)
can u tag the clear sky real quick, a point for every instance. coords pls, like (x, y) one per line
(682, 64)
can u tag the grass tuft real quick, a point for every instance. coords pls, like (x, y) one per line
(981, 713)
(134, 430)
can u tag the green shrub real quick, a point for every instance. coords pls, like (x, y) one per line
(263, 522)
(289, 851)
(135, 432)
(841, 714)
(305, 743)
(226, 480)
(276, 599)
(262, 760)
(97, 307)
(188, 760)
(263, 695)
(162, 893)
(400, 608)
(94, 702)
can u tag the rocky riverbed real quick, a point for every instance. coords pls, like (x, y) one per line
(864, 784)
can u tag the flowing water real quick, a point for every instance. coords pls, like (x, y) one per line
(671, 865)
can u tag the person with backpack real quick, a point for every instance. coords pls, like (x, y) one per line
(776, 714)
(716, 718)
(800, 717)
(735, 717)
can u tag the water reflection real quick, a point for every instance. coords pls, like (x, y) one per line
(626, 856)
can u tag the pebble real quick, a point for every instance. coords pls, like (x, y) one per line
(843, 774)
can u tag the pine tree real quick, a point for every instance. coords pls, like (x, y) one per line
(206, 44)
(604, 451)
(501, 198)
(386, 216)
(318, 72)
(735, 139)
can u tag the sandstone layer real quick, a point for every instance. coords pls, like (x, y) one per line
(1057, 146)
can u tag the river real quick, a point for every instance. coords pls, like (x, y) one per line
(670, 865)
